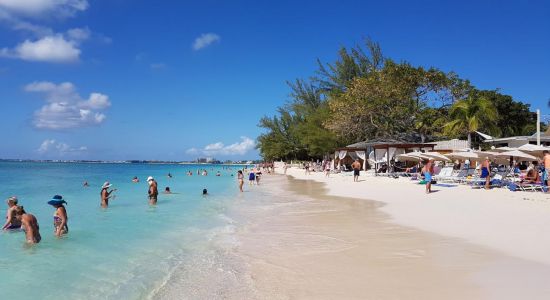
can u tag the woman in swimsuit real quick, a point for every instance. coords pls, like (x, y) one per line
(60, 216)
(240, 177)
(12, 222)
(29, 224)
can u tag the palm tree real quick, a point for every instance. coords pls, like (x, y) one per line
(470, 115)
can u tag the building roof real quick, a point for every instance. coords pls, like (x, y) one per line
(545, 138)
(385, 143)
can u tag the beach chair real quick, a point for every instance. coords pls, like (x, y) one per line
(444, 174)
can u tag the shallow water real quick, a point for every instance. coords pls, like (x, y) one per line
(128, 251)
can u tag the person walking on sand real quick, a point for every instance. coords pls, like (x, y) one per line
(240, 178)
(105, 194)
(428, 172)
(486, 172)
(153, 190)
(356, 166)
(29, 225)
(12, 223)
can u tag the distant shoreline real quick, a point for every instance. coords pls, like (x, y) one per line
(123, 162)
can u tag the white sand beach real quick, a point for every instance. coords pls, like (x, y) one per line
(308, 239)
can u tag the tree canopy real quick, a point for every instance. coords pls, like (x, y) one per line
(364, 95)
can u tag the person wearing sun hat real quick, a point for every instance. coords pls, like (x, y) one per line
(60, 216)
(153, 190)
(106, 194)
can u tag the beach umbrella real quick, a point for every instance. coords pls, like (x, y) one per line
(462, 155)
(487, 153)
(436, 156)
(413, 156)
(533, 149)
(504, 149)
(518, 154)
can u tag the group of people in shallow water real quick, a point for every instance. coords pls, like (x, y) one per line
(18, 219)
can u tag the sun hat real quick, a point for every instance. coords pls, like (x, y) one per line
(57, 200)
(150, 178)
(106, 185)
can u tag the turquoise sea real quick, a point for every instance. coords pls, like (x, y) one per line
(130, 250)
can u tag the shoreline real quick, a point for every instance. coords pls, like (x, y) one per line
(301, 242)
(515, 223)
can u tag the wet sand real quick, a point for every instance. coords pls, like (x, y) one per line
(300, 243)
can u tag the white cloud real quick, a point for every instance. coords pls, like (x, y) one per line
(79, 34)
(43, 43)
(60, 8)
(66, 108)
(47, 49)
(192, 151)
(239, 148)
(205, 40)
(51, 146)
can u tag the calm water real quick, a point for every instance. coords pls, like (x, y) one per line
(128, 251)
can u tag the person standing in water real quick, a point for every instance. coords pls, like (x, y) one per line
(60, 216)
(240, 178)
(12, 222)
(106, 194)
(153, 190)
(29, 224)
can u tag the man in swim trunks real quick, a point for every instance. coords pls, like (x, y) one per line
(486, 172)
(153, 190)
(29, 224)
(356, 166)
(428, 172)
(546, 165)
(12, 222)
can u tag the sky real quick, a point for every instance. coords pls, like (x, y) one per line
(177, 80)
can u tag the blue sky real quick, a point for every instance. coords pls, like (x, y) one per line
(176, 80)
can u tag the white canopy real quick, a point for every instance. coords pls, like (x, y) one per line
(436, 156)
(462, 155)
(533, 149)
(413, 156)
(504, 149)
(518, 154)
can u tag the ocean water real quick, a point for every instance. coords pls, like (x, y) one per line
(130, 250)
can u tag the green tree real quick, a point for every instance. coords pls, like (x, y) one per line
(514, 117)
(470, 115)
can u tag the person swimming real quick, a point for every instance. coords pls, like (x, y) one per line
(60, 216)
(135, 179)
(204, 192)
(12, 223)
(218, 174)
(29, 224)
(167, 190)
(169, 175)
(85, 184)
